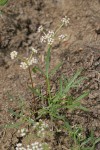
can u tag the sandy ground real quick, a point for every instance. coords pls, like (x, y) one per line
(18, 31)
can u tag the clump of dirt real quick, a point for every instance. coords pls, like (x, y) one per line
(19, 22)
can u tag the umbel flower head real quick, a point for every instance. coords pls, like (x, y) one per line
(62, 37)
(23, 65)
(65, 20)
(13, 54)
(50, 35)
(26, 62)
(49, 38)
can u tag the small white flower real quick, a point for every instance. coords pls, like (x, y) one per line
(65, 20)
(43, 39)
(34, 50)
(40, 28)
(33, 61)
(50, 34)
(23, 134)
(28, 146)
(62, 37)
(79, 134)
(13, 54)
(48, 38)
(50, 41)
(23, 65)
(22, 130)
(19, 145)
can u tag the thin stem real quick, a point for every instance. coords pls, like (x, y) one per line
(57, 30)
(31, 78)
(48, 87)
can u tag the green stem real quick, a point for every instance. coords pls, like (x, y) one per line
(31, 78)
(48, 87)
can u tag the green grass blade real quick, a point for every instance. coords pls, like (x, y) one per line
(81, 97)
(83, 108)
(14, 113)
(86, 141)
(77, 106)
(42, 112)
(35, 69)
(67, 125)
(79, 81)
(15, 125)
(36, 92)
(96, 141)
(53, 71)
(70, 83)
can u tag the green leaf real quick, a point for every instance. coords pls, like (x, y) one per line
(71, 82)
(83, 108)
(67, 125)
(3, 2)
(81, 97)
(15, 125)
(31, 121)
(77, 106)
(79, 81)
(96, 141)
(14, 113)
(36, 92)
(35, 69)
(42, 112)
(61, 117)
(53, 71)
(86, 141)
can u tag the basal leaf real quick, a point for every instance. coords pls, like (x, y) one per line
(71, 82)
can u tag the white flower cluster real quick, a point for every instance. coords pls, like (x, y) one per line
(33, 49)
(19, 147)
(22, 132)
(41, 128)
(23, 65)
(13, 54)
(28, 62)
(33, 146)
(40, 28)
(49, 38)
(65, 20)
(37, 146)
(62, 37)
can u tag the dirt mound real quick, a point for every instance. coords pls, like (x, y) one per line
(19, 22)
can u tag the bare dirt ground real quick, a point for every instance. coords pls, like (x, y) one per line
(18, 31)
